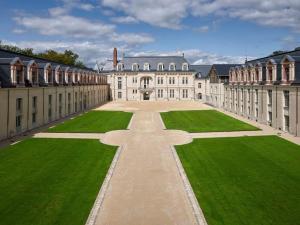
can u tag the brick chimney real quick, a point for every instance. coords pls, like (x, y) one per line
(115, 58)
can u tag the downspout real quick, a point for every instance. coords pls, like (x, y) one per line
(27, 108)
(276, 108)
(8, 96)
(43, 105)
(297, 111)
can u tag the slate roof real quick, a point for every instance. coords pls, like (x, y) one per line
(223, 69)
(10, 54)
(202, 70)
(153, 61)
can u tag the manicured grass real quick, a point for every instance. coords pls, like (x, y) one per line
(203, 121)
(245, 181)
(95, 122)
(51, 181)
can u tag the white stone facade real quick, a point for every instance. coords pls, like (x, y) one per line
(152, 86)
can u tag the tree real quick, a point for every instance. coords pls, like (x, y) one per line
(68, 57)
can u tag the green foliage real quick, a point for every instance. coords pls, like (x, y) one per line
(245, 180)
(67, 57)
(51, 181)
(203, 121)
(95, 122)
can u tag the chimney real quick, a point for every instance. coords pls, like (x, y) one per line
(115, 59)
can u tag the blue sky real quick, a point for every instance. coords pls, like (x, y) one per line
(206, 31)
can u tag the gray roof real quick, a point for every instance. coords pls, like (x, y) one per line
(202, 70)
(153, 61)
(223, 69)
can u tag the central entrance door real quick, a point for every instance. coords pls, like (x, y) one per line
(146, 96)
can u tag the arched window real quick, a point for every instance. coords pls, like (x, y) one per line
(18, 71)
(146, 66)
(48, 74)
(32, 72)
(270, 68)
(135, 67)
(160, 67)
(288, 68)
(172, 67)
(185, 67)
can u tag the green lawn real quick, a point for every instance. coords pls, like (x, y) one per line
(203, 121)
(51, 181)
(95, 122)
(245, 181)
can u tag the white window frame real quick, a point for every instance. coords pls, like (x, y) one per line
(185, 67)
(162, 66)
(172, 65)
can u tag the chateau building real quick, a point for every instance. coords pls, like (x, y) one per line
(156, 78)
(218, 75)
(267, 90)
(35, 92)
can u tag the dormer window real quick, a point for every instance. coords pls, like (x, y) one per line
(269, 72)
(160, 67)
(120, 67)
(256, 74)
(146, 66)
(172, 67)
(48, 74)
(185, 67)
(135, 67)
(288, 69)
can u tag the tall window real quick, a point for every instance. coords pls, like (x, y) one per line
(160, 93)
(49, 108)
(286, 123)
(184, 80)
(160, 80)
(69, 103)
(60, 105)
(270, 97)
(199, 85)
(19, 108)
(119, 82)
(119, 94)
(171, 93)
(256, 96)
(76, 100)
(34, 109)
(184, 93)
(286, 95)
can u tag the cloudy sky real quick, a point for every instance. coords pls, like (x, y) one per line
(206, 31)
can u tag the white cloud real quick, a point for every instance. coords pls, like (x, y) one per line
(195, 56)
(162, 13)
(132, 39)
(202, 29)
(18, 31)
(65, 25)
(124, 20)
(169, 13)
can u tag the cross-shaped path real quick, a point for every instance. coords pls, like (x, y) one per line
(147, 185)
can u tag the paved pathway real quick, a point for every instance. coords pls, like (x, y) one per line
(147, 186)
